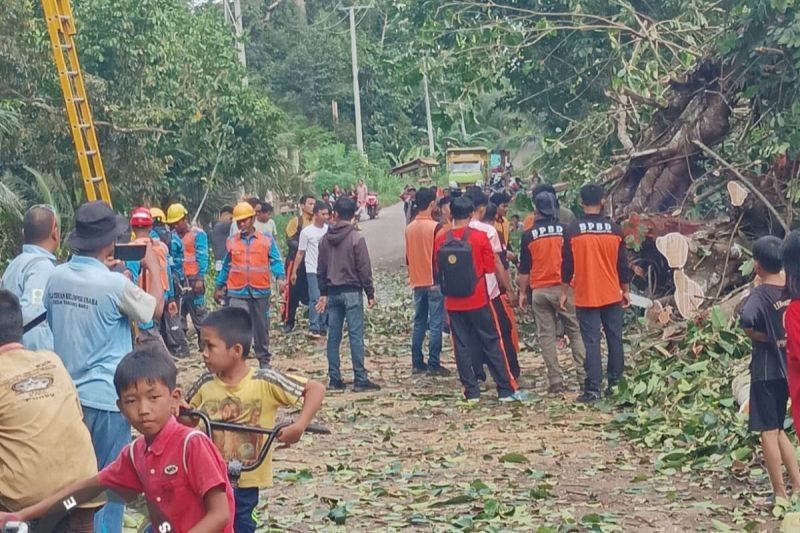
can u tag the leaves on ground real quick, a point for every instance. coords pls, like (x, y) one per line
(415, 455)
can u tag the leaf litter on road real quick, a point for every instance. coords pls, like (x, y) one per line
(415, 455)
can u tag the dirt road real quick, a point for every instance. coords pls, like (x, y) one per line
(384, 237)
(414, 455)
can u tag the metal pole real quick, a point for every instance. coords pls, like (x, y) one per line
(431, 147)
(356, 90)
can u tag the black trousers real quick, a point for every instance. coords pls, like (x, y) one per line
(503, 322)
(476, 340)
(591, 320)
(298, 293)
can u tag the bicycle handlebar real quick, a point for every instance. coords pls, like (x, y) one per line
(272, 434)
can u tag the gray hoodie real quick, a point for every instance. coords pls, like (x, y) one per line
(344, 262)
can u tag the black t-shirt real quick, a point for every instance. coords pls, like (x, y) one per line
(763, 312)
(219, 235)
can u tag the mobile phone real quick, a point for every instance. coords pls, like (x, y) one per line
(130, 252)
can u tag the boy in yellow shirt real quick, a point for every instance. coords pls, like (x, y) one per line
(231, 391)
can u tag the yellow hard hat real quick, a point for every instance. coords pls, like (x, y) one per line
(157, 214)
(175, 213)
(242, 211)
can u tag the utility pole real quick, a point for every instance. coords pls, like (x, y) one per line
(233, 15)
(431, 147)
(356, 89)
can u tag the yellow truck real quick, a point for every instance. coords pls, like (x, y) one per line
(467, 166)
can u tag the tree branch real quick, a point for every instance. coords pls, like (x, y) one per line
(41, 104)
(746, 181)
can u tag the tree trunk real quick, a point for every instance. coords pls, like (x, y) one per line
(660, 172)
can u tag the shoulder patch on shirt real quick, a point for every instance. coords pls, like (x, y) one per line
(205, 378)
(280, 380)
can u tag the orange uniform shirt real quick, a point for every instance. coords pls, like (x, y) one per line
(540, 254)
(595, 261)
(420, 235)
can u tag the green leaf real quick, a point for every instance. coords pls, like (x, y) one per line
(513, 457)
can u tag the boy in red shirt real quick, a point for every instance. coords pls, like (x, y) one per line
(181, 473)
(476, 338)
(790, 256)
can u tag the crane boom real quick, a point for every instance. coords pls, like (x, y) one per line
(61, 27)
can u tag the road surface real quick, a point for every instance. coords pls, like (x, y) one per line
(385, 238)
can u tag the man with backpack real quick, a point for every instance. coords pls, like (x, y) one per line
(464, 258)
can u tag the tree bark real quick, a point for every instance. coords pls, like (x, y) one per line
(658, 179)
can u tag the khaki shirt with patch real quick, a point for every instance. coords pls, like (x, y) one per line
(44, 445)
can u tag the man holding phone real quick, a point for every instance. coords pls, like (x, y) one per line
(89, 309)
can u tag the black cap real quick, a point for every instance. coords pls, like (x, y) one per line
(96, 226)
(546, 204)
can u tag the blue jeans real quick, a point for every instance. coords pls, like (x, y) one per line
(348, 304)
(246, 501)
(317, 321)
(428, 314)
(110, 433)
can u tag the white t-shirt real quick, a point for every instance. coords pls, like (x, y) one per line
(309, 244)
(492, 286)
(267, 227)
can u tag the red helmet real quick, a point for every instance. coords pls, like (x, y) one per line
(141, 218)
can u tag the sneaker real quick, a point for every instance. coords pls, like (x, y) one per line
(263, 365)
(286, 329)
(315, 335)
(336, 384)
(366, 387)
(518, 396)
(473, 401)
(611, 390)
(439, 371)
(588, 398)
(556, 388)
(419, 369)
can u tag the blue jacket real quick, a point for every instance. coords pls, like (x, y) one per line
(27, 276)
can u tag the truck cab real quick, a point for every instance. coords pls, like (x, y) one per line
(467, 166)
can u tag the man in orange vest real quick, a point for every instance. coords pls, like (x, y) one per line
(245, 274)
(142, 225)
(194, 267)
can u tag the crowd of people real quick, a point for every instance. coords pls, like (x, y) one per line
(88, 347)
(572, 271)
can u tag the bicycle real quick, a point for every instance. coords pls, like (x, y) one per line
(235, 466)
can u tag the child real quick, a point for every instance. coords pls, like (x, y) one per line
(39, 413)
(183, 477)
(226, 335)
(790, 256)
(762, 319)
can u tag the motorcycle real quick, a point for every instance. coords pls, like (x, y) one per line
(373, 205)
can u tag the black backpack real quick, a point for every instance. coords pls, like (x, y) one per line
(456, 268)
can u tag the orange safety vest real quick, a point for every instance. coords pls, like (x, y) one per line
(190, 265)
(161, 252)
(249, 261)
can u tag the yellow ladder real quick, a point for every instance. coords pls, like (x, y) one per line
(61, 26)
